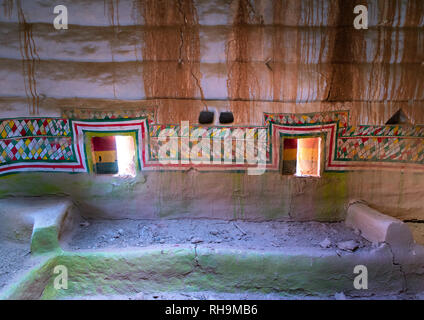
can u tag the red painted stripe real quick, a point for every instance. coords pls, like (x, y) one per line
(290, 143)
(103, 143)
(141, 124)
(40, 166)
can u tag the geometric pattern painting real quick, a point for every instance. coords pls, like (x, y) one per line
(363, 144)
(388, 143)
(295, 119)
(36, 148)
(214, 133)
(56, 144)
(51, 144)
(382, 131)
(45, 139)
(381, 149)
(125, 113)
(12, 128)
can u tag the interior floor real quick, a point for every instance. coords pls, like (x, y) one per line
(15, 259)
(272, 235)
(208, 295)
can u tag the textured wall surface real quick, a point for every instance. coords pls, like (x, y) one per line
(248, 56)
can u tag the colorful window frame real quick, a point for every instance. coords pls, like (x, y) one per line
(88, 135)
(322, 151)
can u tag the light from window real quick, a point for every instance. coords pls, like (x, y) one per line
(301, 157)
(125, 154)
(308, 157)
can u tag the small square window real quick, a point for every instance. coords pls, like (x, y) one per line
(301, 157)
(105, 159)
(113, 155)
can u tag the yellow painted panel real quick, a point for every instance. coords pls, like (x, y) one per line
(106, 156)
(290, 154)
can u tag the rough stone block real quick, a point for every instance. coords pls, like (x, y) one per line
(377, 227)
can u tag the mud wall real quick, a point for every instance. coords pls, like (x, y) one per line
(223, 195)
(246, 56)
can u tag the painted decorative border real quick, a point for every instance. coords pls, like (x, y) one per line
(79, 163)
(52, 144)
(108, 114)
(299, 119)
(34, 127)
(88, 135)
(211, 132)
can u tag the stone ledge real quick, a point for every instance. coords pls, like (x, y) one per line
(44, 217)
(377, 227)
(197, 268)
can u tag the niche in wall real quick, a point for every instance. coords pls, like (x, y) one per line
(301, 156)
(105, 160)
(399, 118)
(113, 154)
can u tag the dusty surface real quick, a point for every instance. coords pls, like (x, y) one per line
(14, 259)
(98, 234)
(204, 295)
(116, 234)
(208, 295)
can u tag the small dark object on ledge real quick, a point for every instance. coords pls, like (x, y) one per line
(226, 117)
(206, 117)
